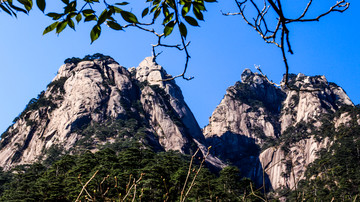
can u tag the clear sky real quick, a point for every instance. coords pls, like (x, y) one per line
(220, 49)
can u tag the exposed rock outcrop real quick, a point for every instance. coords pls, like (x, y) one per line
(270, 133)
(98, 91)
(261, 128)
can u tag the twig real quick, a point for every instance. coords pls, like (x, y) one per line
(260, 24)
(167, 191)
(181, 47)
(84, 187)
(196, 174)
(253, 193)
(340, 6)
(135, 182)
(188, 174)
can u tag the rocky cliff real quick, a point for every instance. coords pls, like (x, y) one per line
(95, 103)
(270, 132)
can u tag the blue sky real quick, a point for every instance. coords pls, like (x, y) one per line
(220, 49)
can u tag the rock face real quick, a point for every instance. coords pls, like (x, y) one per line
(270, 133)
(264, 129)
(98, 91)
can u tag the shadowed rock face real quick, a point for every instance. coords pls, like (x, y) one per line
(93, 92)
(255, 114)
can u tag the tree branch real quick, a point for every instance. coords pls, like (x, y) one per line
(260, 24)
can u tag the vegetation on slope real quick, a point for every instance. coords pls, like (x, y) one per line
(335, 174)
(158, 177)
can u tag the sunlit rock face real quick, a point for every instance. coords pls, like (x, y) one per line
(252, 126)
(97, 91)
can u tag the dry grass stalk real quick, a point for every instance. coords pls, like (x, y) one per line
(84, 186)
(183, 197)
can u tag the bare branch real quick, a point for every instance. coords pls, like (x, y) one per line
(305, 11)
(259, 21)
(134, 185)
(181, 47)
(340, 6)
(188, 174)
(260, 24)
(84, 187)
(196, 174)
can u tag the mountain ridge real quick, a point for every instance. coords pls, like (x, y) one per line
(250, 126)
(94, 90)
(272, 134)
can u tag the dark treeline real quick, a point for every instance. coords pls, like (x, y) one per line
(158, 177)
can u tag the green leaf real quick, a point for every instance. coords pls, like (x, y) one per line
(114, 25)
(157, 13)
(55, 16)
(172, 3)
(90, 18)
(87, 12)
(199, 6)
(153, 9)
(9, 8)
(17, 8)
(78, 17)
(169, 28)
(41, 4)
(122, 3)
(182, 2)
(168, 18)
(71, 24)
(183, 30)
(61, 26)
(185, 9)
(114, 9)
(165, 10)
(145, 12)
(65, 1)
(198, 14)
(103, 16)
(70, 7)
(95, 33)
(156, 2)
(71, 15)
(191, 21)
(5, 9)
(27, 3)
(50, 28)
(129, 17)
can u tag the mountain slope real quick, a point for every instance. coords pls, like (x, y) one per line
(268, 131)
(272, 134)
(95, 103)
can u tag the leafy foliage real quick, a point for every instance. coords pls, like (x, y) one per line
(57, 85)
(33, 105)
(126, 130)
(175, 13)
(76, 60)
(253, 95)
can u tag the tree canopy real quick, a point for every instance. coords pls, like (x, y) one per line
(109, 176)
